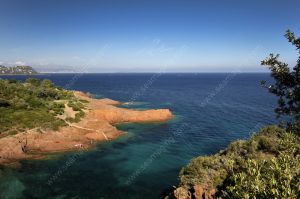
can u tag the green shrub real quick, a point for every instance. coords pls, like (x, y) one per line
(12, 81)
(274, 178)
(209, 170)
(76, 105)
(33, 81)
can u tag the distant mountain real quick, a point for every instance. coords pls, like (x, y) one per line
(17, 70)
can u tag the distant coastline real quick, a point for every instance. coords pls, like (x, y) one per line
(17, 70)
(1, 75)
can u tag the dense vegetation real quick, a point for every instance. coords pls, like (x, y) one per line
(34, 103)
(268, 164)
(265, 166)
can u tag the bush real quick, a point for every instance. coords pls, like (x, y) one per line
(33, 81)
(12, 81)
(274, 178)
(46, 83)
(76, 106)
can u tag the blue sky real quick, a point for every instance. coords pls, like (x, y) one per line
(146, 36)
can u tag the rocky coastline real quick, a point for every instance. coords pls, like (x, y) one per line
(98, 125)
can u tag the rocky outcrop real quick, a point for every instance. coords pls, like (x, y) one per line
(202, 192)
(119, 115)
(196, 192)
(182, 193)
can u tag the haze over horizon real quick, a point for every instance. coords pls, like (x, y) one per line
(146, 36)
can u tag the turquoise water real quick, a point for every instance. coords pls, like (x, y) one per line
(211, 110)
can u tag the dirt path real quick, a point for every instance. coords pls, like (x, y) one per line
(88, 129)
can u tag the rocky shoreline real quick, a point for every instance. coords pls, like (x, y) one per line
(98, 124)
(196, 192)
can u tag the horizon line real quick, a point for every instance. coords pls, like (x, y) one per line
(232, 72)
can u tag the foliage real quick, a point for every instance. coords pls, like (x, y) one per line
(287, 82)
(76, 106)
(261, 167)
(33, 103)
(276, 178)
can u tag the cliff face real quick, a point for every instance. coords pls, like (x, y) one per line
(17, 70)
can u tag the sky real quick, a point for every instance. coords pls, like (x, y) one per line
(146, 36)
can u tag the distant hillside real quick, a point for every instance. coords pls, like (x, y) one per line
(17, 70)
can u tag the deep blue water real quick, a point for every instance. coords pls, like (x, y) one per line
(211, 111)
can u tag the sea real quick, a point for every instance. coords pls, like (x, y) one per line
(211, 110)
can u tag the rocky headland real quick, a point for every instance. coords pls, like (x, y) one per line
(17, 70)
(98, 124)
